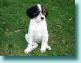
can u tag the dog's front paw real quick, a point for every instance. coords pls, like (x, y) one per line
(42, 50)
(27, 51)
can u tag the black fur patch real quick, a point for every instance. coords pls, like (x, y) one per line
(33, 12)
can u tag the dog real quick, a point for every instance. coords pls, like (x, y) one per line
(37, 32)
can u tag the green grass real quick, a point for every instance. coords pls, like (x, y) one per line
(14, 25)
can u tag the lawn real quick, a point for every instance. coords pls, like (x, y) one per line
(14, 25)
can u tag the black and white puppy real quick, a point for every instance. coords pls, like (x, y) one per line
(37, 32)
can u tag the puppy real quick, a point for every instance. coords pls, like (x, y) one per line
(37, 32)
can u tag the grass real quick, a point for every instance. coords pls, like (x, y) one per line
(14, 25)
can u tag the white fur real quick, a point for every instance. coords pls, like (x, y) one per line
(37, 33)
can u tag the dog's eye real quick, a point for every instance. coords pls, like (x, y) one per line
(36, 13)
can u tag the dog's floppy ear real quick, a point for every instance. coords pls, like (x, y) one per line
(45, 11)
(29, 12)
(32, 12)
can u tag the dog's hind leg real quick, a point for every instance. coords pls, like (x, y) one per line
(29, 47)
(48, 47)
(26, 37)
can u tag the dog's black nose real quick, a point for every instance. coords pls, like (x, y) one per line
(42, 18)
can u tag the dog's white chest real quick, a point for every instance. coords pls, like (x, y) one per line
(38, 32)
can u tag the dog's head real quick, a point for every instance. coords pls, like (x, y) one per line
(37, 12)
